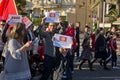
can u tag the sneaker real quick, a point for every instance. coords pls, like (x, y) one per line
(115, 67)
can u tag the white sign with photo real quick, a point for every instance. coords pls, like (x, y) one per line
(62, 41)
(52, 17)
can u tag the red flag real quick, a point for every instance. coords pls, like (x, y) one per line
(7, 7)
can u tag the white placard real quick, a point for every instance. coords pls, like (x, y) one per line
(26, 21)
(62, 41)
(52, 17)
(13, 19)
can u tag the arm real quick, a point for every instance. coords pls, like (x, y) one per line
(42, 31)
(16, 51)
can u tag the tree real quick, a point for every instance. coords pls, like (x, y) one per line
(113, 15)
(20, 4)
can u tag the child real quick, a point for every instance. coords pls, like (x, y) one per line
(65, 58)
(113, 47)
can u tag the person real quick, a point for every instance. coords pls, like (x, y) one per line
(113, 47)
(49, 50)
(77, 26)
(1, 42)
(61, 27)
(86, 55)
(30, 37)
(16, 65)
(100, 49)
(70, 31)
(109, 35)
(93, 41)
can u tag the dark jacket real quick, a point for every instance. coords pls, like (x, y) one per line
(100, 47)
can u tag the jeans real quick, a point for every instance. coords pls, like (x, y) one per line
(49, 64)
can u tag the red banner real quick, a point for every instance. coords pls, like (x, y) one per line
(7, 7)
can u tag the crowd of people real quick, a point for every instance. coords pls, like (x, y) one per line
(18, 44)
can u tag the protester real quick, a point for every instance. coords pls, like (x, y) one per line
(70, 31)
(49, 51)
(93, 41)
(16, 55)
(1, 42)
(77, 27)
(100, 49)
(86, 55)
(113, 47)
(65, 58)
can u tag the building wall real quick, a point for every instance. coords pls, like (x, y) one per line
(74, 10)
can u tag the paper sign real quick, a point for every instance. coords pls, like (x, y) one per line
(62, 41)
(52, 17)
(26, 21)
(15, 19)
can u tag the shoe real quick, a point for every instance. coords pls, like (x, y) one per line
(101, 64)
(105, 68)
(80, 68)
(115, 67)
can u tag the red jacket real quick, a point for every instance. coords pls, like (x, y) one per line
(113, 45)
(70, 31)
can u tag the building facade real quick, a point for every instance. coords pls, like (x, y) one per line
(74, 10)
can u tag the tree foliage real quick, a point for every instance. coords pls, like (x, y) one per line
(20, 4)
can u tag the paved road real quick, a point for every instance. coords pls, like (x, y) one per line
(98, 74)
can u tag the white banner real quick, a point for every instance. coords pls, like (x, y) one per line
(13, 19)
(52, 17)
(62, 41)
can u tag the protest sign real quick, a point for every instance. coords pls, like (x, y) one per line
(26, 21)
(52, 17)
(15, 19)
(62, 41)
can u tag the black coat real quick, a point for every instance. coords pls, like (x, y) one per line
(100, 47)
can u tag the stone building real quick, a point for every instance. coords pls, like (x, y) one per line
(75, 10)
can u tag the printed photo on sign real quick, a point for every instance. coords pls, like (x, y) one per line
(52, 17)
(62, 41)
(26, 21)
(15, 19)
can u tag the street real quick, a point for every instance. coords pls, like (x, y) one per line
(98, 74)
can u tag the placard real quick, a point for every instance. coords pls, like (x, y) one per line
(13, 19)
(62, 41)
(52, 17)
(26, 21)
